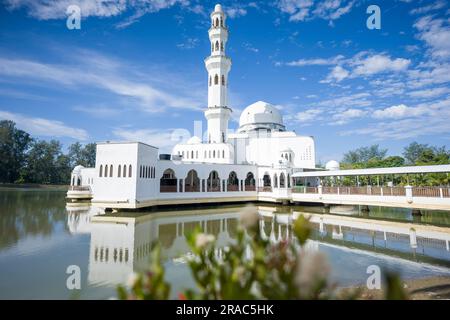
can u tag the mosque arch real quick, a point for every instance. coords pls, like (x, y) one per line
(119, 171)
(232, 182)
(216, 79)
(100, 173)
(168, 181)
(130, 171)
(111, 171)
(192, 182)
(217, 45)
(213, 182)
(266, 180)
(250, 182)
(282, 180)
(124, 171)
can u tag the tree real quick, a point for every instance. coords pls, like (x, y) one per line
(412, 152)
(80, 155)
(46, 164)
(14, 144)
(364, 154)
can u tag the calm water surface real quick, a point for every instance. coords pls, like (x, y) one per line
(40, 237)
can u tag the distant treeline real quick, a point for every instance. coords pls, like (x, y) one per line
(24, 159)
(415, 154)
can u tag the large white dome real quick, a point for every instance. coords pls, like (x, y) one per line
(261, 115)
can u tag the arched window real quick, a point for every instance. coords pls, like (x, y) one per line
(192, 182)
(223, 80)
(221, 46)
(140, 171)
(210, 81)
(288, 180)
(100, 173)
(213, 182)
(106, 171)
(232, 182)
(168, 181)
(119, 171)
(275, 181)
(217, 22)
(282, 181)
(217, 45)
(266, 180)
(221, 22)
(214, 153)
(111, 171)
(130, 171)
(250, 183)
(192, 154)
(223, 154)
(216, 79)
(124, 171)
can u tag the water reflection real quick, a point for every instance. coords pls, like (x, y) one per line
(40, 238)
(120, 243)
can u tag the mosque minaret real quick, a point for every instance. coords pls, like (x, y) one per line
(218, 66)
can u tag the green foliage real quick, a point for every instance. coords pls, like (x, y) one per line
(364, 154)
(27, 160)
(250, 268)
(14, 144)
(414, 154)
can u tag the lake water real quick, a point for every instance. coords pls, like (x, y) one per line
(40, 237)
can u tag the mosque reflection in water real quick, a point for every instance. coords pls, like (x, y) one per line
(120, 243)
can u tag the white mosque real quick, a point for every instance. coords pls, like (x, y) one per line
(254, 164)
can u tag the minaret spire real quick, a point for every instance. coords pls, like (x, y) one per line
(218, 66)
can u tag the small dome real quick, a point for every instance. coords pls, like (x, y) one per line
(77, 169)
(260, 115)
(218, 8)
(194, 140)
(332, 165)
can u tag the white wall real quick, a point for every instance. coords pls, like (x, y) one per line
(115, 188)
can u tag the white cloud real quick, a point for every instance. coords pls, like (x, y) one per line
(56, 9)
(308, 115)
(315, 61)
(348, 115)
(103, 73)
(164, 139)
(302, 10)
(429, 93)
(190, 43)
(235, 12)
(44, 127)
(436, 34)
(399, 111)
(379, 63)
(250, 47)
(337, 74)
(431, 7)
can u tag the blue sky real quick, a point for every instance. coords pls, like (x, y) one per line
(134, 71)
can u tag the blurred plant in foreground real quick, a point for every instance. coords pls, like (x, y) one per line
(250, 268)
